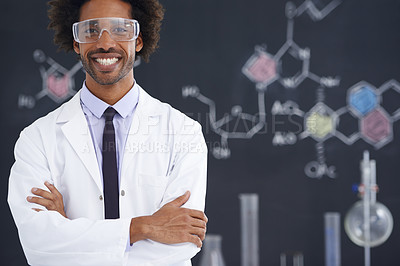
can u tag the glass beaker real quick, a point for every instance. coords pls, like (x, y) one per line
(211, 252)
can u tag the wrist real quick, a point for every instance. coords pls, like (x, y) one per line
(139, 229)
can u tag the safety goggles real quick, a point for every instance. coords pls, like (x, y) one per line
(91, 30)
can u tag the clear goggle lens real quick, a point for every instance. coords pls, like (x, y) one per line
(91, 30)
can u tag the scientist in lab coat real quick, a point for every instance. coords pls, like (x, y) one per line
(113, 176)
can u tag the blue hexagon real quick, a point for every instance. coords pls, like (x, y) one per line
(363, 99)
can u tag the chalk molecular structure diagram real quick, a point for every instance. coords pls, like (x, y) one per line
(364, 101)
(57, 82)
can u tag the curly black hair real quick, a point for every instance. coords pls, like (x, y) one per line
(149, 14)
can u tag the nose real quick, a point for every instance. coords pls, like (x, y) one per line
(105, 41)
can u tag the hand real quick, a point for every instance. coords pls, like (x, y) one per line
(171, 224)
(53, 200)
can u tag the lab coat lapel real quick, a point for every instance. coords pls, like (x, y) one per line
(145, 117)
(77, 132)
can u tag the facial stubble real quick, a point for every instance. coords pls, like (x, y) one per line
(104, 78)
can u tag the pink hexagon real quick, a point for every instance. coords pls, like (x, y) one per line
(376, 126)
(264, 69)
(261, 68)
(58, 86)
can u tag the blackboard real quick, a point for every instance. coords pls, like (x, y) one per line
(205, 45)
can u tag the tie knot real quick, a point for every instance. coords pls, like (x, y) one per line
(109, 113)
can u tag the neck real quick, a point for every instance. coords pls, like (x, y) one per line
(110, 93)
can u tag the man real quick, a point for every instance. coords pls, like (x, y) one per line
(112, 177)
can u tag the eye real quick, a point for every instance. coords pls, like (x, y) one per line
(119, 30)
(91, 31)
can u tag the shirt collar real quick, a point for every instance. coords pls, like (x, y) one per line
(125, 106)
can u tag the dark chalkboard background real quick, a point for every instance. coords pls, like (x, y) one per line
(206, 43)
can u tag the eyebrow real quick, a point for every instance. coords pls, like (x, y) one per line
(93, 22)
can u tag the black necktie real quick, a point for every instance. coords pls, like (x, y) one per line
(110, 170)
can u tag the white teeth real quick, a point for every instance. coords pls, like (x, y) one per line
(107, 61)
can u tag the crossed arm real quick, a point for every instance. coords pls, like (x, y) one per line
(171, 224)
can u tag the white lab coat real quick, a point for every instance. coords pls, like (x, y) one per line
(165, 155)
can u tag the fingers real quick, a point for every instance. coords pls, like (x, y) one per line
(54, 194)
(43, 193)
(192, 226)
(48, 204)
(195, 240)
(197, 214)
(178, 202)
(47, 199)
(53, 189)
(200, 232)
(199, 228)
(198, 223)
(187, 233)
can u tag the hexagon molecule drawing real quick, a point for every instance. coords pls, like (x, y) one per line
(364, 101)
(58, 83)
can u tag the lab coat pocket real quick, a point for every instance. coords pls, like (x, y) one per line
(153, 180)
(153, 188)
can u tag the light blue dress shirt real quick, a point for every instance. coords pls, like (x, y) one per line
(94, 108)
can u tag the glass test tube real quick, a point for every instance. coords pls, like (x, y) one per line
(249, 225)
(297, 258)
(332, 239)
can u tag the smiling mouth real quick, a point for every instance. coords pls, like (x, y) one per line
(107, 61)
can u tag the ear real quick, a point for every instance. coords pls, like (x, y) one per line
(139, 43)
(76, 47)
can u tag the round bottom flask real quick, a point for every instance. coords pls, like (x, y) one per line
(380, 219)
